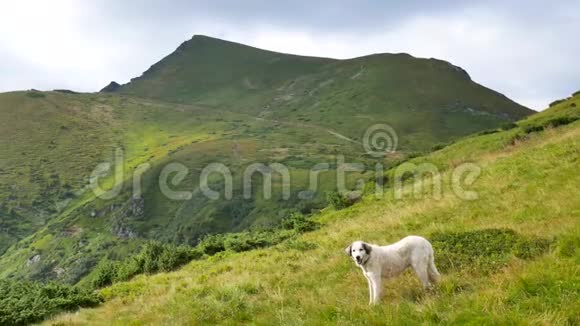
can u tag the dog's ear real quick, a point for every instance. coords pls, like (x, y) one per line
(347, 250)
(367, 248)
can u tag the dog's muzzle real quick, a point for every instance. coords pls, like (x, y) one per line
(359, 260)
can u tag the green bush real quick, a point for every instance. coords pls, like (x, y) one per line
(299, 223)
(533, 128)
(552, 123)
(508, 126)
(439, 146)
(154, 257)
(30, 302)
(483, 251)
(242, 241)
(160, 257)
(212, 244)
(487, 132)
(560, 121)
(126, 270)
(105, 274)
(337, 200)
(254, 240)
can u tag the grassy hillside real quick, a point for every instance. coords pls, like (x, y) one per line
(511, 256)
(209, 101)
(50, 143)
(49, 212)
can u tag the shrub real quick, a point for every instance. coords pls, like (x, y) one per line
(576, 93)
(162, 257)
(246, 241)
(533, 128)
(105, 274)
(154, 257)
(560, 121)
(242, 241)
(299, 223)
(508, 126)
(337, 200)
(552, 123)
(439, 146)
(487, 132)
(126, 270)
(212, 244)
(30, 302)
(483, 251)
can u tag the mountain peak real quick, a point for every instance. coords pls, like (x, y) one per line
(206, 69)
(207, 37)
(111, 87)
(199, 40)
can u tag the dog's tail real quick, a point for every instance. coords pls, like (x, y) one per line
(432, 270)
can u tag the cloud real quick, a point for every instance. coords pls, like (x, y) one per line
(520, 48)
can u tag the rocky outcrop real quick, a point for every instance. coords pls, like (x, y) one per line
(137, 207)
(33, 260)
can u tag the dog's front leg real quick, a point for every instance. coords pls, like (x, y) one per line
(371, 290)
(375, 280)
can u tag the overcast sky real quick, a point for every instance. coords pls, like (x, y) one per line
(527, 50)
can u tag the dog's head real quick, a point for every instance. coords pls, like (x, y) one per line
(359, 252)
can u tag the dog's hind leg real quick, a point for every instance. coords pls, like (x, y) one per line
(432, 270)
(421, 269)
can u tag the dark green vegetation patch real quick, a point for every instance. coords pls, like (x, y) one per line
(161, 257)
(154, 257)
(22, 303)
(552, 123)
(484, 251)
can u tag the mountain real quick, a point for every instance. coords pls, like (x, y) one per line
(441, 97)
(509, 257)
(211, 101)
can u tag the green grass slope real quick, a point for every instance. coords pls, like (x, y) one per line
(50, 143)
(56, 140)
(511, 256)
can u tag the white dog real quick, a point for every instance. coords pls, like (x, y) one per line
(383, 262)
